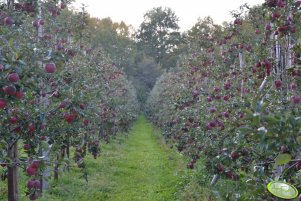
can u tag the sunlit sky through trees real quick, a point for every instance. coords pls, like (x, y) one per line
(188, 11)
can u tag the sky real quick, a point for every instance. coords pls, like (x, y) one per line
(188, 11)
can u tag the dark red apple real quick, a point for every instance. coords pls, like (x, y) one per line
(19, 95)
(268, 27)
(226, 98)
(82, 106)
(86, 122)
(26, 146)
(13, 120)
(31, 171)
(37, 184)
(63, 104)
(13, 77)
(209, 98)
(31, 128)
(278, 84)
(36, 23)
(69, 118)
(2, 103)
(35, 164)
(30, 184)
(227, 114)
(296, 99)
(212, 110)
(41, 22)
(50, 68)
(9, 90)
(234, 155)
(212, 123)
(8, 21)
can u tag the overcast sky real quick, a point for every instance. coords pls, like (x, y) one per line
(188, 11)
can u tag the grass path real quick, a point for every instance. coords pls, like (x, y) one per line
(138, 168)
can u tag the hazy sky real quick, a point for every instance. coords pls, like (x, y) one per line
(188, 11)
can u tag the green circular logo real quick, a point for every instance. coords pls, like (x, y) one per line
(282, 190)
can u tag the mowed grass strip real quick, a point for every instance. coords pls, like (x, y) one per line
(137, 168)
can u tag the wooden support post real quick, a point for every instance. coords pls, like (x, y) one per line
(12, 177)
(56, 168)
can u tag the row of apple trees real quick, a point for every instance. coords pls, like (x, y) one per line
(55, 93)
(234, 102)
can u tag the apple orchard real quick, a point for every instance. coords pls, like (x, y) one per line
(232, 104)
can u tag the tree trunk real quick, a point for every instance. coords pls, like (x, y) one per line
(12, 176)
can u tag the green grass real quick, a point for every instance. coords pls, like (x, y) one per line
(140, 167)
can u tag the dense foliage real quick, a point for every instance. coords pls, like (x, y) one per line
(234, 102)
(55, 92)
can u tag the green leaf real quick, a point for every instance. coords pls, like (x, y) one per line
(299, 140)
(282, 159)
(11, 42)
(272, 119)
(246, 129)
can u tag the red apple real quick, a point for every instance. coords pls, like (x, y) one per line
(19, 95)
(13, 120)
(35, 164)
(278, 84)
(227, 114)
(50, 68)
(9, 90)
(13, 77)
(36, 23)
(26, 146)
(31, 171)
(41, 22)
(212, 110)
(86, 122)
(31, 128)
(212, 123)
(296, 99)
(62, 104)
(226, 98)
(234, 155)
(8, 21)
(30, 184)
(268, 27)
(82, 106)
(69, 118)
(2, 103)
(37, 184)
